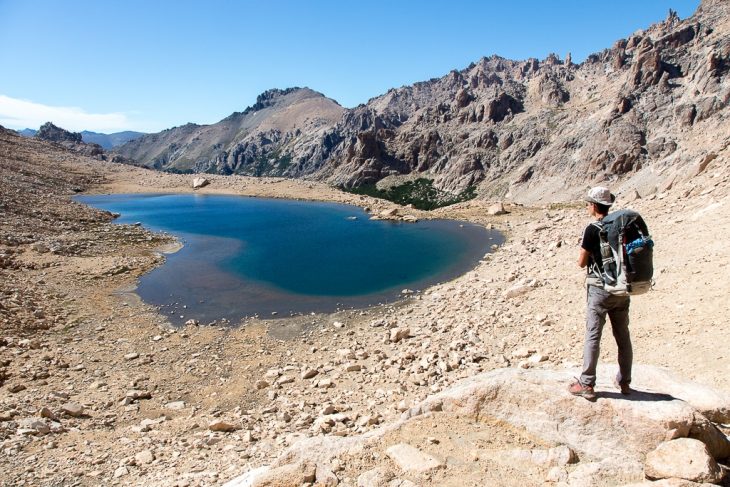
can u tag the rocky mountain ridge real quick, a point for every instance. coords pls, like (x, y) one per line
(522, 130)
(106, 141)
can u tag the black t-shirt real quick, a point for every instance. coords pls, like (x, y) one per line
(592, 243)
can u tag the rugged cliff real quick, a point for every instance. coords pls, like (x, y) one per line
(523, 130)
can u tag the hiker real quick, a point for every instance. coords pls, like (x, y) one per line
(600, 303)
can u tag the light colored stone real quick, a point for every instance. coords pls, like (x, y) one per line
(285, 379)
(131, 356)
(376, 477)
(496, 209)
(517, 290)
(144, 457)
(47, 413)
(561, 456)
(309, 373)
(683, 458)
(222, 426)
(398, 334)
(175, 405)
(200, 182)
(290, 474)
(137, 394)
(412, 460)
(73, 409)
(325, 477)
(33, 426)
(557, 474)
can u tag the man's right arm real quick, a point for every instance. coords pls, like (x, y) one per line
(583, 258)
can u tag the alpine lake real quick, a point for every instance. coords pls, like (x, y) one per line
(244, 257)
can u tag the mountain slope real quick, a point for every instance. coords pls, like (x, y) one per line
(248, 142)
(524, 130)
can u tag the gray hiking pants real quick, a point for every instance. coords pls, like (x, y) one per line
(601, 303)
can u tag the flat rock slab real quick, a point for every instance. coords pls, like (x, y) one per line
(624, 428)
(412, 460)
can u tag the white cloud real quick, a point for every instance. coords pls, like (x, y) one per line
(20, 114)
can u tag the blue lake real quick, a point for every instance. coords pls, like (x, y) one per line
(247, 256)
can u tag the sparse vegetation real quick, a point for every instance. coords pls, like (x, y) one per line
(419, 193)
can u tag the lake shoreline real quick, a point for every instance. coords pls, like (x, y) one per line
(260, 189)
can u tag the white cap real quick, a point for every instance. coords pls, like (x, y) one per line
(600, 195)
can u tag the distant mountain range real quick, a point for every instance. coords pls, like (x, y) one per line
(106, 141)
(109, 141)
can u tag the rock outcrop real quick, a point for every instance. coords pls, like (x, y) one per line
(609, 440)
(69, 140)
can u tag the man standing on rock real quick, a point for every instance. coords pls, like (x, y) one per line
(600, 303)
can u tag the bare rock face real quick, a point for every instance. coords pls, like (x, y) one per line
(682, 458)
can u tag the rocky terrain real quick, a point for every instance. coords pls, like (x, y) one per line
(463, 384)
(524, 131)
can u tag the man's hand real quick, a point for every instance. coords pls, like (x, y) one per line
(583, 258)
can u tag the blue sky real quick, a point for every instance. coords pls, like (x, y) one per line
(149, 65)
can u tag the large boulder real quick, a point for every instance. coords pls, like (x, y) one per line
(200, 183)
(683, 458)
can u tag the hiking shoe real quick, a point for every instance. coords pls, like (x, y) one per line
(622, 386)
(586, 392)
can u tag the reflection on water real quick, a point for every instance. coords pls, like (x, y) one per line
(246, 256)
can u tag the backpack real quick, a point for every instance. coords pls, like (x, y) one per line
(627, 253)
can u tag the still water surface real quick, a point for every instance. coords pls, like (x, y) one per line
(245, 256)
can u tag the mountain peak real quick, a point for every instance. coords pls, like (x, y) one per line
(52, 133)
(275, 95)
